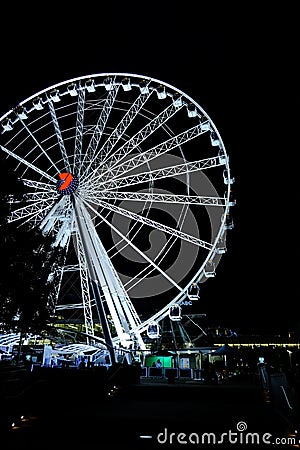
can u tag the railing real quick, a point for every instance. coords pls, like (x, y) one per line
(174, 372)
(281, 393)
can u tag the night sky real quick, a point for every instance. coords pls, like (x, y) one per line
(242, 73)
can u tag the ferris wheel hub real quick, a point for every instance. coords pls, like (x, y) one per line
(67, 183)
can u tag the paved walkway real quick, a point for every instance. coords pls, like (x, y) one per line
(70, 412)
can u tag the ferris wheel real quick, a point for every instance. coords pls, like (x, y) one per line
(131, 178)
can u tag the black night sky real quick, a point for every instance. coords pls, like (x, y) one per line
(242, 72)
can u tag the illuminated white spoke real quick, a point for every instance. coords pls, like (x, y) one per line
(35, 219)
(133, 246)
(89, 157)
(121, 127)
(158, 174)
(136, 140)
(154, 224)
(41, 148)
(58, 135)
(79, 132)
(159, 198)
(161, 256)
(28, 211)
(33, 197)
(28, 164)
(39, 185)
(147, 156)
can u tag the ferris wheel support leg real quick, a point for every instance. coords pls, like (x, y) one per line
(104, 323)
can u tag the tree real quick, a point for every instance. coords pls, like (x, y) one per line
(28, 261)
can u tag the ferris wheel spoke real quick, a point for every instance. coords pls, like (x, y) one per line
(162, 254)
(158, 174)
(28, 164)
(79, 132)
(38, 195)
(157, 225)
(121, 127)
(29, 211)
(59, 135)
(154, 152)
(134, 247)
(137, 139)
(89, 157)
(38, 185)
(155, 197)
(40, 146)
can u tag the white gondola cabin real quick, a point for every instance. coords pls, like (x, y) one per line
(222, 157)
(210, 269)
(175, 312)
(214, 139)
(227, 178)
(126, 84)
(177, 100)
(108, 83)
(90, 85)
(221, 246)
(72, 89)
(194, 292)
(55, 95)
(21, 112)
(231, 200)
(191, 110)
(144, 87)
(161, 92)
(7, 124)
(153, 330)
(228, 222)
(37, 103)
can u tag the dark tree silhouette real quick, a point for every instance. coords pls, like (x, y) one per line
(27, 261)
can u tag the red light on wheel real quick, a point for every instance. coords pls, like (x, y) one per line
(67, 183)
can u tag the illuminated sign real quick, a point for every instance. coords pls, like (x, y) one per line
(67, 183)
